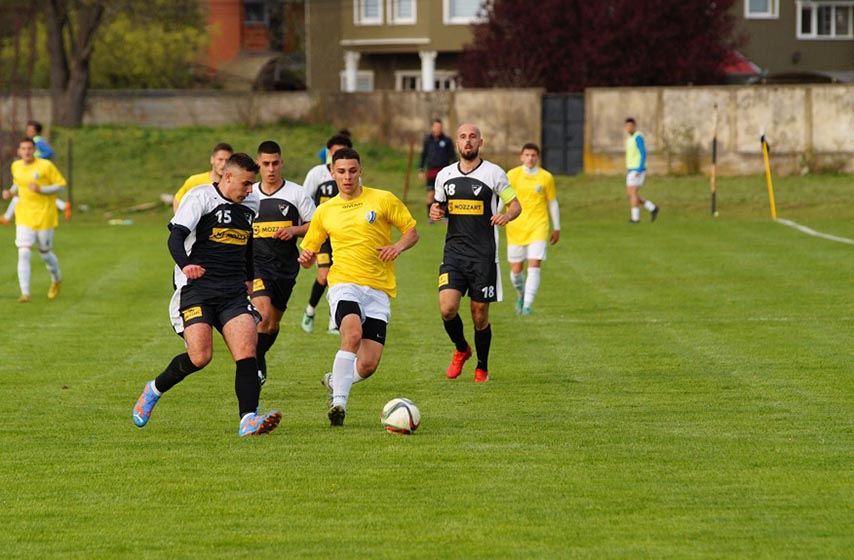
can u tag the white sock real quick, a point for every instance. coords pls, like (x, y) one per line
(10, 211)
(356, 377)
(24, 270)
(52, 264)
(635, 214)
(342, 377)
(154, 388)
(649, 205)
(518, 281)
(532, 284)
(309, 310)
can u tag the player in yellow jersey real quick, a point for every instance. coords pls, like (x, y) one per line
(219, 156)
(37, 181)
(358, 221)
(527, 236)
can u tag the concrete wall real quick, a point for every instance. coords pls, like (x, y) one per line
(507, 118)
(808, 127)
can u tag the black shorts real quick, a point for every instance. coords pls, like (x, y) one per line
(477, 278)
(278, 290)
(372, 328)
(215, 308)
(324, 256)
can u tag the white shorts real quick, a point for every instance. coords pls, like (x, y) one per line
(635, 178)
(373, 303)
(26, 237)
(532, 251)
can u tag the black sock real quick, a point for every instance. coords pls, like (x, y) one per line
(482, 341)
(454, 328)
(246, 385)
(316, 293)
(265, 342)
(180, 367)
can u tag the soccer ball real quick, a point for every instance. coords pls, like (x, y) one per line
(400, 416)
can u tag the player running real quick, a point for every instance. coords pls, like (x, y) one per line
(284, 212)
(528, 234)
(320, 186)
(468, 191)
(37, 181)
(362, 282)
(211, 242)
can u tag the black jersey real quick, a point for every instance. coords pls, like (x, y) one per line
(288, 206)
(472, 200)
(319, 184)
(220, 238)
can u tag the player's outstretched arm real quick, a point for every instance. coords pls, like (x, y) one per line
(307, 258)
(406, 241)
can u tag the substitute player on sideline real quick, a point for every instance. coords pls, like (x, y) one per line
(211, 242)
(37, 181)
(219, 156)
(469, 191)
(320, 187)
(527, 235)
(362, 280)
(284, 212)
(636, 172)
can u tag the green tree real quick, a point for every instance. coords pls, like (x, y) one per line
(74, 29)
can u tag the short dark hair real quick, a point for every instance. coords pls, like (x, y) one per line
(531, 146)
(222, 146)
(243, 161)
(26, 139)
(631, 120)
(347, 153)
(339, 140)
(269, 147)
(35, 124)
(437, 120)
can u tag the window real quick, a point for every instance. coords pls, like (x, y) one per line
(462, 11)
(761, 9)
(410, 80)
(825, 20)
(255, 11)
(401, 11)
(367, 12)
(364, 80)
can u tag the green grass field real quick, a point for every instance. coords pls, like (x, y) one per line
(682, 390)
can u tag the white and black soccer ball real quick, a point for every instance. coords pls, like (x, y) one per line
(400, 416)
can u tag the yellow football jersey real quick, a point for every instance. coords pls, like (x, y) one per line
(192, 182)
(35, 210)
(357, 228)
(534, 193)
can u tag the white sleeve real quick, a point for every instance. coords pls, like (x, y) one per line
(500, 182)
(310, 183)
(305, 206)
(439, 189)
(554, 212)
(190, 210)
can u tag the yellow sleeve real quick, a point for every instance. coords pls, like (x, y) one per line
(316, 234)
(55, 177)
(399, 215)
(183, 190)
(551, 190)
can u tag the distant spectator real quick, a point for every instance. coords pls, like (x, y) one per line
(437, 152)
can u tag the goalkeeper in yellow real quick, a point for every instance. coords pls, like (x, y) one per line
(358, 222)
(528, 235)
(37, 181)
